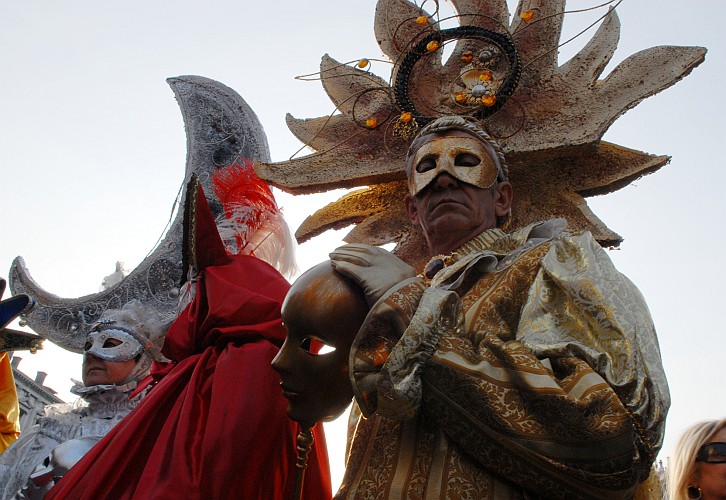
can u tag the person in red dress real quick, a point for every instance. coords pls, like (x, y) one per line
(215, 423)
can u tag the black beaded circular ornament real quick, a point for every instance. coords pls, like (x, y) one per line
(502, 41)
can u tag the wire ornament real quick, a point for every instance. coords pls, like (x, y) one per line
(412, 50)
(490, 124)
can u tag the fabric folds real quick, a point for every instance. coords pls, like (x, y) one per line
(215, 425)
(529, 366)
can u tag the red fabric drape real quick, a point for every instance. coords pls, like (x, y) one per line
(215, 425)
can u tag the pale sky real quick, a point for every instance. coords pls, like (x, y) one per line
(92, 148)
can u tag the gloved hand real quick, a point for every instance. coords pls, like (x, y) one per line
(376, 270)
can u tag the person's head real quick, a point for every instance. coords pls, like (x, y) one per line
(121, 346)
(322, 311)
(458, 185)
(698, 466)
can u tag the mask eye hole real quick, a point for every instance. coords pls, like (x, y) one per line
(87, 346)
(325, 349)
(111, 343)
(426, 164)
(315, 346)
(466, 160)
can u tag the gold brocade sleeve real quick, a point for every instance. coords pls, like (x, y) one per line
(580, 306)
(573, 407)
(580, 396)
(378, 336)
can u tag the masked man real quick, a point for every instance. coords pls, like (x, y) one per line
(118, 353)
(518, 364)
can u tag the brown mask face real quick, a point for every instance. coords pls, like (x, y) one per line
(322, 314)
(462, 156)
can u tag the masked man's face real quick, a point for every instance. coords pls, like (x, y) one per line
(462, 156)
(453, 176)
(322, 317)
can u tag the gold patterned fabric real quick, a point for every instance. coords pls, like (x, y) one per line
(528, 367)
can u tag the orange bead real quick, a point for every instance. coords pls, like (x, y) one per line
(422, 20)
(527, 16)
(371, 123)
(467, 57)
(486, 76)
(380, 355)
(460, 98)
(432, 46)
(363, 63)
(406, 117)
(489, 100)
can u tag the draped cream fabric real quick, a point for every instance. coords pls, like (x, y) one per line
(529, 366)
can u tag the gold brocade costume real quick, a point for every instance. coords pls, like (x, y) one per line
(530, 358)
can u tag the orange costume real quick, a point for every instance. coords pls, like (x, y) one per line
(9, 410)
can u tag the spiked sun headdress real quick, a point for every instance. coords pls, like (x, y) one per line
(548, 118)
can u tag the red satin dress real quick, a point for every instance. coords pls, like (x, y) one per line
(215, 425)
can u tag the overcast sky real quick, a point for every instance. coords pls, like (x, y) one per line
(92, 149)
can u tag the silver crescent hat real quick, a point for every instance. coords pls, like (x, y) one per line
(221, 128)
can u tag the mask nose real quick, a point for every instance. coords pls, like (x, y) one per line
(280, 362)
(445, 180)
(447, 163)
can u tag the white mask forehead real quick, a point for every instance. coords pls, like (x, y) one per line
(443, 151)
(127, 350)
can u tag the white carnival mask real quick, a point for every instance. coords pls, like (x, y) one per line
(97, 343)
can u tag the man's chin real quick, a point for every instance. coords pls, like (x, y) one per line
(91, 381)
(449, 222)
(447, 234)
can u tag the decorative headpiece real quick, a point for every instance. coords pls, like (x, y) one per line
(549, 119)
(222, 130)
(253, 223)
